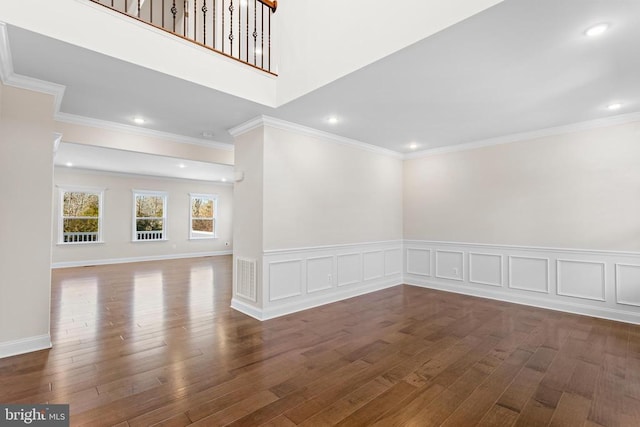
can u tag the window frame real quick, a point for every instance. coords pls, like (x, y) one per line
(80, 189)
(214, 218)
(134, 231)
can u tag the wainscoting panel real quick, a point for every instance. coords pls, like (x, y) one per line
(287, 279)
(581, 279)
(450, 265)
(485, 269)
(392, 262)
(591, 282)
(349, 269)
(418, 261)
(628, 284)
(529, 274)
(373, 266)
(298, 279)
(319, 274)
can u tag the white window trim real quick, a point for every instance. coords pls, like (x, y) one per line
(80, 189)
(165, 203)
(214, 197)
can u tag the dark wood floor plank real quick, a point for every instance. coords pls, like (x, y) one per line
(156, 343)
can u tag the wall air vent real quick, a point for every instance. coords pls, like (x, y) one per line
(246, 279)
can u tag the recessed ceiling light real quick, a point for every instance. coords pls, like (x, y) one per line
(258, 51)
(207, 134)
(413, 146)
(615, 106)
(68, 164)
(138, 120)
(224, 179)
(182, 166)
(332, 120)
(597, 30)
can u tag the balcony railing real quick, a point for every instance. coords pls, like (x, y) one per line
(149, 235)
(239, 29)
(80, 237)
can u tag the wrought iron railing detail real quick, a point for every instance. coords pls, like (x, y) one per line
(240, 29)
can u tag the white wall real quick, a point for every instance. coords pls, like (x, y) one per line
(578, 190)
(26, 177)
(248, 212)
(319, 42)
(551, 222)
(117, 221)
(323, 218)
(319, 192)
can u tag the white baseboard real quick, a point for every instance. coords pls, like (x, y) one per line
(247, 309)
(595, 283)
(25, 345)
(107, 261)
(307, 303)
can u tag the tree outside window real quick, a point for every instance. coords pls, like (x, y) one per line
(150, 216)
(203, 216)
(81, 216)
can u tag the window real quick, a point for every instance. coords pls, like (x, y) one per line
(204, 208)
(80, 219)
(149, 216)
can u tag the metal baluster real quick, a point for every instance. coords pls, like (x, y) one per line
(255, 29)
(269, 35)
(151, 11)
(185, 15)
(231, 28)
(222, 33)
(138, 8)
(174, 11)
(195, 18)
(214, 24)
(204, 22)
(240, 30)
(163, 9)
(246, 24)
(262, 37)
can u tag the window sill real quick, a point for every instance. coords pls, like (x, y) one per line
(149, 240)
(101, 242)
(204, 238)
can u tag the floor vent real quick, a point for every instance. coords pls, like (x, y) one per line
(246, 278)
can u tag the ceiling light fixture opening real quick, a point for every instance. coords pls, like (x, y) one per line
(597, 30)
(138, 120)
(224, 179)
(68, 164)
(615, 106)
(413, 146)
(258, 51)
(332, 120)
(182, 166)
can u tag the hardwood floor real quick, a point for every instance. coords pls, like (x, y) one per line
(156, 344)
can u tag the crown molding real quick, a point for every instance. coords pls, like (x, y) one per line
(6, 61)
(10, 78)
(528, 136)
(294, 127)
(119, 127)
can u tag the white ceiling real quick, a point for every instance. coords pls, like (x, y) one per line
(129, 162)
(520, 66)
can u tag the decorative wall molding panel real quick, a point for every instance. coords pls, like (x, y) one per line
(628, 284)
(590, 282)
(298, 279)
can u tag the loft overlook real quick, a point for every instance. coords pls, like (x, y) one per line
(515, 67)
